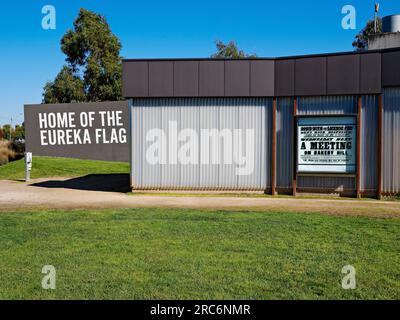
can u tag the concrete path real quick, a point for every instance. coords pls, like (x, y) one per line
(50, 193)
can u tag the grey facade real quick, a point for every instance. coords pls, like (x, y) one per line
(369, 144)
(391, 141)
(334, 74)
(285, 145)
(199, 114)
(269, 94)
(232, 96)
(384, 41)
(66, 138)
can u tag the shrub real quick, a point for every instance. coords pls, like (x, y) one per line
(5, 152)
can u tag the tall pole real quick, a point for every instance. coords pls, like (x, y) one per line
(376, 17)
(11, 129)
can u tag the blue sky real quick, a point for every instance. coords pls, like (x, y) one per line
(30, 56)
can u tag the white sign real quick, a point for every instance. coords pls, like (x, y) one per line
(72, 128)
(326, 144)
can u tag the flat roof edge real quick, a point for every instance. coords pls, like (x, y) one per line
(268, 58)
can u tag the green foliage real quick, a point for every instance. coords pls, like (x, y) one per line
(9, 133)
(230, 51)
(94, 68)
(19, 131)
(67, 87)
(6, 131)
(360, 42)
(192, 254)
(43, 167)
(5, 152)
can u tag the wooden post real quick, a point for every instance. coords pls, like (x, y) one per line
(380, 145)
(294, 180)
(273, 160)
(358, 175)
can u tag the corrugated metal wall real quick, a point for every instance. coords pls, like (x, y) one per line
(284, 143)
(369, 144)
(201, 113)
(391, 141)
(326, 183)
(326, 105)
(256, 113)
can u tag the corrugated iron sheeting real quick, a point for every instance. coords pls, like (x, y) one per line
(369, 143)
(220, 113)
(391, 141)
(326, 183)
(320, 105)
(284, 142)
(201, 113)
(327, 105)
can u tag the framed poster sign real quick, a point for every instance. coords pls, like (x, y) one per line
(327, 144)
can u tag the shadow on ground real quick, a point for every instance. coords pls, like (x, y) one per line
(93, 182)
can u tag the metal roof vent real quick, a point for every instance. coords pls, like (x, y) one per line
(391, 23)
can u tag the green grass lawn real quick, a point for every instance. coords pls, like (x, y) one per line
(191, 254)
(43, 167)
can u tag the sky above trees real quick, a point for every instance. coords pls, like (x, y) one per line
(31, 56)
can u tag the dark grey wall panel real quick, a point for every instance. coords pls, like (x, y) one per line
(284, 78)
(262, 78)
(310, 76)
(391, 145)
(369, 143)
(326, 184)
(211, 78)
(370, 73)
(186, 78)
(237, 78)
(44, 140)
(391, 69)
(343, 74)
(318, 75)
(161, 78)
(284, 143)
(135, 79)
(326, 105)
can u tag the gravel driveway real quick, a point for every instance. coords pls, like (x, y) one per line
(59, 193)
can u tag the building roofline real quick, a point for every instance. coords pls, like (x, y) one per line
(332, 54)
